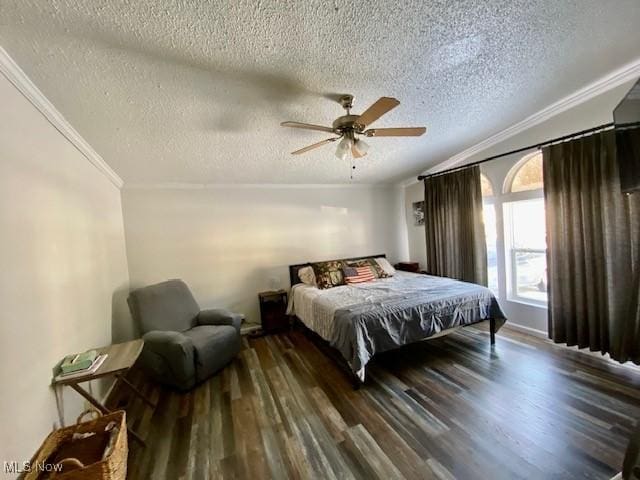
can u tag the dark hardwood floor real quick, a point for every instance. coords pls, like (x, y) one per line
(447, 408)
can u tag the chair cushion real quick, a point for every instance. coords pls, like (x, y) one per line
(165, 306)
(214, 346)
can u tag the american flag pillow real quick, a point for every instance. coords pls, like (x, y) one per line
(358, 274)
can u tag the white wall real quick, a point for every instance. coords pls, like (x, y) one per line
(63, 269)
(229, 243)
(593, 112)
(416, 237)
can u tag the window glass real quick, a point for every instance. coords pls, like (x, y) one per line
(526, 249)
(529, 175)
(485, 185)
(528, 224)
(531, 272)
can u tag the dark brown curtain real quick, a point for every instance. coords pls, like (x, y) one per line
(593, 240)
(454, 228)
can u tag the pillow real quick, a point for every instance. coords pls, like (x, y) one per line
(358, 274)
(307, 275)
(328, 274)
(386, 266)
(369, 262)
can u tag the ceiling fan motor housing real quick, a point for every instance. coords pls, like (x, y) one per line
(345, 123)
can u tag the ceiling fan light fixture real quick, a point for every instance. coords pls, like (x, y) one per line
(361, 146)
(343, 148)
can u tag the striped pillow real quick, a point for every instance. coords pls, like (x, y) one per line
(358, 274)
(377, 269)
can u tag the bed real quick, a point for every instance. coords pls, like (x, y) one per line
(359, 321)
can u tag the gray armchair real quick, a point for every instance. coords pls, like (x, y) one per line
(183, 345)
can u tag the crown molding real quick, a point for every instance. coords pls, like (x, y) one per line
(12, 71)
(613, 79)
(240, 186)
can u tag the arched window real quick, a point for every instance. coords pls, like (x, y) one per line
(525, 232)
(486, 186)
(526, 174)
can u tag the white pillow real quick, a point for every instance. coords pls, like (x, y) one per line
(386, 266)
(307, 275)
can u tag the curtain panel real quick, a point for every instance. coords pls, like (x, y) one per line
(454, 226)
(593, 240)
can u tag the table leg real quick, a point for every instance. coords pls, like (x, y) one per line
(104, 410)
(135, 390)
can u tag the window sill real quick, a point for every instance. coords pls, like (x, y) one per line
(530, 303)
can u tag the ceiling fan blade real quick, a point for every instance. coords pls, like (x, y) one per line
(307, 126)
(315, 145)
(375, 111)
(395, 132)
(355, 152)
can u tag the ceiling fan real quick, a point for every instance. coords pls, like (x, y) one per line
(348, 127)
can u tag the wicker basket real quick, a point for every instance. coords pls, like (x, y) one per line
(59, 449)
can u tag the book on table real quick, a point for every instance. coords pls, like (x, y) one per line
(87, 367)
(79, 361)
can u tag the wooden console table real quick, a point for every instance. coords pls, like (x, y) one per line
(121, 357)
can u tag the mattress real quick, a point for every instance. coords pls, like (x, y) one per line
(363, 319)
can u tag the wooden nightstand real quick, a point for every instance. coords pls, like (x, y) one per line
(273, 311)
(413, 267)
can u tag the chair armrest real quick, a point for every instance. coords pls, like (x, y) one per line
(220, 316)
(174, 347)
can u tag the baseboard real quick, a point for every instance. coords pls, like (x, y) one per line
(531, 331)
(248, 328)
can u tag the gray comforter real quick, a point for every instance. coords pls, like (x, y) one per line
(409, 309)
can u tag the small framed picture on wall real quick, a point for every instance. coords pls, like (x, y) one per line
(418, 213)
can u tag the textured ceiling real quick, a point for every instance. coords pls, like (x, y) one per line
(194, 92)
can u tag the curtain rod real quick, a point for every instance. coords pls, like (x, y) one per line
(538, 146)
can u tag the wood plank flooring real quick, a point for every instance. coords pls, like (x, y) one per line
(447, 408)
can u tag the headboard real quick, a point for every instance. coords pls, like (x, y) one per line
(293, 269)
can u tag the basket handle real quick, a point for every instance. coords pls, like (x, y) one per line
(87, 412)
(71, 462)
